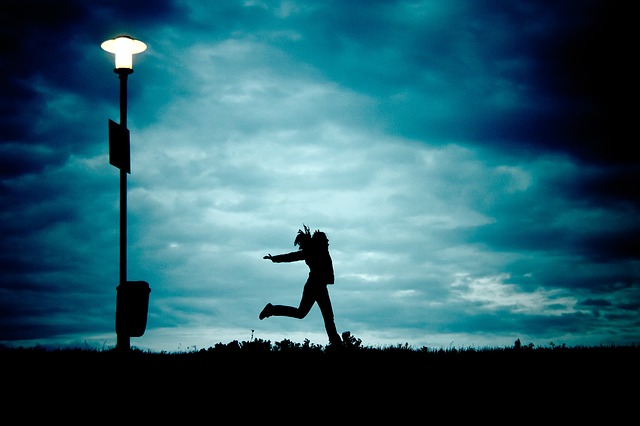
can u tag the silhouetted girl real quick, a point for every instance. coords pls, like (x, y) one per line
(314, 250)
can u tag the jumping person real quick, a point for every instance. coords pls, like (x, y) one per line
(314, 250)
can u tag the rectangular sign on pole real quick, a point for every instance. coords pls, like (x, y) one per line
(119, 147)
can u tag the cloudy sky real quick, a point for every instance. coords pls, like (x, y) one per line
(472, 163)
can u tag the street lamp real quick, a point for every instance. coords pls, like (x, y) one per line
(133, 296)
(124, 47)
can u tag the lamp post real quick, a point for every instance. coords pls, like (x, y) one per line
(124, 47)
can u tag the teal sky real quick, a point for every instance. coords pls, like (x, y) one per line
(471, 163)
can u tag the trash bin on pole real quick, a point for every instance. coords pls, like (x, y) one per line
(132, 305)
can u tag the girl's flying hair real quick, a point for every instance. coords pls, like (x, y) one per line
(303, 237)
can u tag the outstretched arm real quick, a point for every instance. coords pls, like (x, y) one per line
(288, 257)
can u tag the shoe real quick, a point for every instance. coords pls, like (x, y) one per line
(335, 346)
(266, 312)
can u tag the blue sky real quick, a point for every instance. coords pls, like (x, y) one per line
(472, 164)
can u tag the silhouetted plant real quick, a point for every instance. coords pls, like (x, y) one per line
(308, 346)
(286, 345)
(257, 346)
(350, 341)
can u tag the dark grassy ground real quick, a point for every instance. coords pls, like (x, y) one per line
(288, 381)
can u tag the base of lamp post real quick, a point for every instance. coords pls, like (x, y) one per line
(132, 306)
(123, 343)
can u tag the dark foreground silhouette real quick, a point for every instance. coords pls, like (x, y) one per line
(314, 250)
(285, 381)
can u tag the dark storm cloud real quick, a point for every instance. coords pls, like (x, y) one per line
(585, 65)
(566, 70)
(547, 76)
(44, 47)
(614, 185)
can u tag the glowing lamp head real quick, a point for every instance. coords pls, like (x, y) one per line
(124, 47)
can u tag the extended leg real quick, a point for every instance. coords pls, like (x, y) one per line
(324, 302)
(300, 312)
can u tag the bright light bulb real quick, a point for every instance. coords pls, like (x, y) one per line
(124, 47)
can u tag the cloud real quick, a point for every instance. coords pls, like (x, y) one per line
(470, 169)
